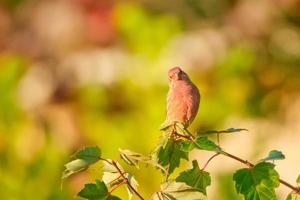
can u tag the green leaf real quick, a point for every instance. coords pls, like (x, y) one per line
(113, 198)
(293, 196)
(170, 154)
(229, 130)
(187, 145)
(298, 179)
(258, 182)
(172, 190)
(205, 144)
(195, 178)
(93, 191)
(89, 154)
(274, 155)
(83, 158)
(232, 130)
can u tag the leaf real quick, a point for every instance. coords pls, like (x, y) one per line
(133, 183)
(205, 144)
(274, 155)
(229, 130)
(293, 196)
(169, 124)
(169, 155)
(133, 158)
(93, 191)
(172, 190)
(83, 158)
(298, 180)
(113, 198)
(111, 175)
(90, 154)
(232, 130)
(180, 128)
(196, 178)
(187, 146)
(166, 125)
(258, 182)
(74, 166)
(162, 196)
(96, 191)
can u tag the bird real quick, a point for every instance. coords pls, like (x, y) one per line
(183, 99)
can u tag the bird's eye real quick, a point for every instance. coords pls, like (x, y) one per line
(179, 74)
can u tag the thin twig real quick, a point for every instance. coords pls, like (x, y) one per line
(114, 180)
(126, 180)
(283, 182)
(246, 162)
(110, 192)
(113, 163)
(183, 136)
(190, 134)
(215, 155)
(106, 161)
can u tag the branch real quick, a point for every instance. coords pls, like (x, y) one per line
(126, 180)
(238, 159)
(116, 188)
(249, 164)
(113, 163)
(215, 155)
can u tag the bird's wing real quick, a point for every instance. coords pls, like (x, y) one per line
(192, 102)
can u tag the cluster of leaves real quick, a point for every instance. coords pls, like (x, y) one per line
(256, 182)
(113, 175)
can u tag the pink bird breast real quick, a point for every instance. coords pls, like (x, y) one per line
(182, 101)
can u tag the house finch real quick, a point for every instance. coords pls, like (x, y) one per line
(183, 98)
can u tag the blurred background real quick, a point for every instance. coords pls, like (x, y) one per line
(93, 72)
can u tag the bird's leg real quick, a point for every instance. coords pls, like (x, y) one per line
(186, 134)
(174, 133)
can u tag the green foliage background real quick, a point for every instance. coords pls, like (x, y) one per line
(94, 73)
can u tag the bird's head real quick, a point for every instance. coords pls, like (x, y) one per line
(176, 73)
